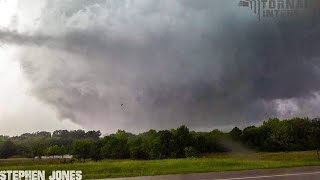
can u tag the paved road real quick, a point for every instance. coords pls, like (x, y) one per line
(303, 173)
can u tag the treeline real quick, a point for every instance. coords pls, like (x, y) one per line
(297, 134)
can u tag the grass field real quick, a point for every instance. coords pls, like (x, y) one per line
(211, 163)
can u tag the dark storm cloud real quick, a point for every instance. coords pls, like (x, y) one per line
(199, 64)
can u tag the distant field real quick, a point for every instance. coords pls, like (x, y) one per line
(211, 163)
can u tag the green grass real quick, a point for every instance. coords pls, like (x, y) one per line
(129, 168)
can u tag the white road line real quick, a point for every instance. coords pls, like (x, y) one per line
(271, 176)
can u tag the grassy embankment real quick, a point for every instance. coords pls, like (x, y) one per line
(128, 168)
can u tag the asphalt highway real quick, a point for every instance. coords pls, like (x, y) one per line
(302, 173)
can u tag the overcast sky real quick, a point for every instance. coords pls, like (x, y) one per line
(141, 64)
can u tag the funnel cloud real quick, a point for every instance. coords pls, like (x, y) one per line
(144, 64)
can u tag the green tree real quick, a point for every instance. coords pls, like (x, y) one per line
(235, 134)
(167, 145)
(7, 149)
(94, 135)
(151, 144)
(214, 139)
(299, 131)
(138, 149)
(315, 135)
(183, 139)
(96, 152)
(251, 137)
(56, 150)
(115, 147)
(201, 142)
(38, 148)
(82, 149)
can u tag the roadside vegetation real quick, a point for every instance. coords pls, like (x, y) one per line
(210, 163)
(274, 135)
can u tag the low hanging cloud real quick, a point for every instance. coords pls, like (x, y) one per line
(146, 64)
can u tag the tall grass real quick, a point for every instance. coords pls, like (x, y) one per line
(211, 163)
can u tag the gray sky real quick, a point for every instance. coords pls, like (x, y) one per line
(207, 64)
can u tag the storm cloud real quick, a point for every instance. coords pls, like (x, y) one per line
(146, 64)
